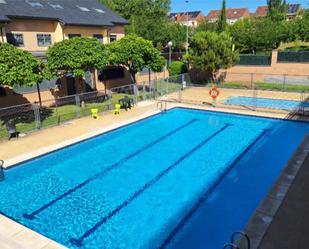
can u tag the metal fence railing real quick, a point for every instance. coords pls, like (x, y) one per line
(31, 116)
(288, 94)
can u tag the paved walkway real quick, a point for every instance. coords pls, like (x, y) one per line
(290, 226)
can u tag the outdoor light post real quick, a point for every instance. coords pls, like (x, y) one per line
(187, 36)
(169, 44)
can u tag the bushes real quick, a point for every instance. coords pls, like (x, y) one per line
(177, 67)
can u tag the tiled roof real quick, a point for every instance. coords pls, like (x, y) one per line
(70, 12)
(182, 16)
(232, 13)
(292, 9)
(261, 11)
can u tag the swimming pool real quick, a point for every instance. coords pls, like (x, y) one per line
(281, 104)
(183, 179)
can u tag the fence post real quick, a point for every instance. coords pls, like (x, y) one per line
(110, 96)
(37, 116)
(57, 113)
(161, 87)
(284, 81)
(252, 86)
(183, 82)
(144, 93)
(255, 98)
(1, 170)
(135, 91)
(77, 101)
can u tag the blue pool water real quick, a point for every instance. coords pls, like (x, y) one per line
(185, 179)
(282, 104)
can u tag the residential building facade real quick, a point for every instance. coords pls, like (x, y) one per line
(191, 18)
(34, 25)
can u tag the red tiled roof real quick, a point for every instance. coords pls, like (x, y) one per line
(230, 13)
(261, 11)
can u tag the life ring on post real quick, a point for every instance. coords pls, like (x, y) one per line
(214, 92)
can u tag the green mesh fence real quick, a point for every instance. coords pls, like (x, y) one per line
(256, 60)
(293, 56)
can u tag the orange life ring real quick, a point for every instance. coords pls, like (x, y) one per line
(214, 92)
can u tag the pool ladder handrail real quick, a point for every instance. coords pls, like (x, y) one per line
(1, 170)
(241, 234)
(233, 245)
(230, 246)
(162, 105)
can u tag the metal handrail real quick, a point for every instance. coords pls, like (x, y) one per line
(231, 246)
(242, 235)
(1, 170)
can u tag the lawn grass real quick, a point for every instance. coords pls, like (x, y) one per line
(63, 114)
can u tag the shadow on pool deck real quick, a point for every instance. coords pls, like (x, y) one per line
(290, 226)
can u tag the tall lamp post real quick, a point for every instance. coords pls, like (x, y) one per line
(169, 44)
(187, 35)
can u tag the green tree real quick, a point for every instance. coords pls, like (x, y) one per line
(135, 53)
(148, 19)
(19, 67)
(211, 51)
(76, 56)
(222, 23)
(207, 26)
(277, 9)
(252, 35)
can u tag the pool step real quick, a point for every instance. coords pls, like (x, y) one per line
(238, 239)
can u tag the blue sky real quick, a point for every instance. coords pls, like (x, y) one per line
(206, 5)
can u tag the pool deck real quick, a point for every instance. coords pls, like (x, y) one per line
(16, 236)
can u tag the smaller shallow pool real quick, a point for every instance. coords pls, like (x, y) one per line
(281, 104)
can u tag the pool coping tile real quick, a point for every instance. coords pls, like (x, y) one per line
(264, 214)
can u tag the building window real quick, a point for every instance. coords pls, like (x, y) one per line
(15, 39)
(73, 35)
(44, 40)
(112, 38)
(98, 37)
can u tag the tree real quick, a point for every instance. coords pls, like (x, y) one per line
(277, 9)
(76, 56)
(222, 23)
(19, 67)
(252, 35)
(207, 26)
(211, 51)
(135, 53)
(148, 18)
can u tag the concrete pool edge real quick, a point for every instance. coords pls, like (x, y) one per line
(264, 214)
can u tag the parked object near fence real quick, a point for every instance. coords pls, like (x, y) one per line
(293, 56)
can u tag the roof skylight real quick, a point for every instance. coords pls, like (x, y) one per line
(99, 10)
(83, 8)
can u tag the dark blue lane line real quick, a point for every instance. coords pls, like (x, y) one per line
(32, 215)
(106, 218)
(205, 195)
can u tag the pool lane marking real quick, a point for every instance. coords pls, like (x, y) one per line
(79, 241)
(203, 198)
(32, 215)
